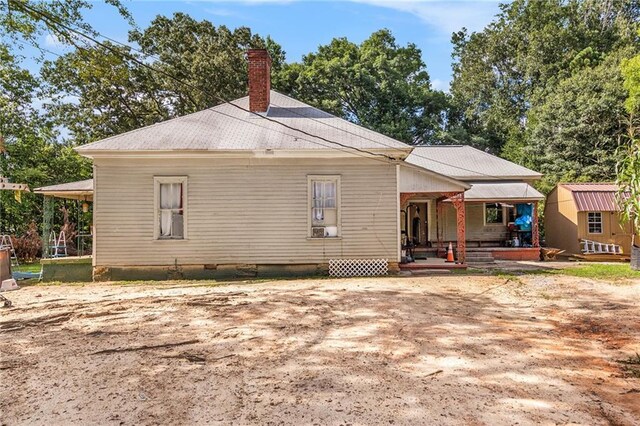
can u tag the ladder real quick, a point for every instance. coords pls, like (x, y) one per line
(58, 244)
(6, 243)
(594, 247)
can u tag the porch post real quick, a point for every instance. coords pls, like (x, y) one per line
(439, 225)
(535, 234)
(461, 219)
(47, 224)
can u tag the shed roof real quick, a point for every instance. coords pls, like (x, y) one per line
(227, 128)
(590, 197)
(79, 190)
(502, 191)
(465, 163)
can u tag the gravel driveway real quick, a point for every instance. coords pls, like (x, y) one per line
(425, 350)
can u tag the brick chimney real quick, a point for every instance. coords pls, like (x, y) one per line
(259, 80)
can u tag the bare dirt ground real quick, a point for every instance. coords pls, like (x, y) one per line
(423, 350)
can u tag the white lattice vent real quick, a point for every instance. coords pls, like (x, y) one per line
(358, 267)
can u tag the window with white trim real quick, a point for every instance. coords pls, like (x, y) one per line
(324, 206)
(594, 222)
(170, 207)
(493, 214)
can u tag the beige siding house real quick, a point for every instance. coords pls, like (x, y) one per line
(269, 185)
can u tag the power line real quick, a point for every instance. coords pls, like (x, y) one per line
(51, 19)
(148, 55)
(345, 148)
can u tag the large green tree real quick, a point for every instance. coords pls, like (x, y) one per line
(377, 84)
(628, 167)
(33, 154)
(575, 131)
(180, 65)
(519, 60)
(28, 21)
(198, 63)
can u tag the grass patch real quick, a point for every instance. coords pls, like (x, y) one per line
(610, 272)
(28, 267)
(615, 272)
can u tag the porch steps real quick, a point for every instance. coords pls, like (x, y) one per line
(474, 257)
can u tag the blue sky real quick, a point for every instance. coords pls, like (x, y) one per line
(300, 26)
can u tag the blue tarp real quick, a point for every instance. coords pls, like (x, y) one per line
(523, 216)
(17, 275)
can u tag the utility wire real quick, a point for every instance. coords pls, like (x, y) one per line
(345, 148)
(148, 55)
(49, 18)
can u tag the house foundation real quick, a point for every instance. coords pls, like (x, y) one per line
(215, 272)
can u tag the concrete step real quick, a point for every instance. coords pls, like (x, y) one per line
(484, 259)
(479, 257)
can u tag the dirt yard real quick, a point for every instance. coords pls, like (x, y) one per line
(424, 350)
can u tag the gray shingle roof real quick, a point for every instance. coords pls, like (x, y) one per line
(225, 127)
(464, 162)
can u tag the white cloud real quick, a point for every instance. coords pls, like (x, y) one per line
(440, 84)
(52, 41)
(445, 16)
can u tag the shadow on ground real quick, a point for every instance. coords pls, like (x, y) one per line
(445, 350)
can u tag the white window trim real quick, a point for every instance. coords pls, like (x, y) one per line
(157, 180)
(310, 179)
(484, 216)
(601, 224)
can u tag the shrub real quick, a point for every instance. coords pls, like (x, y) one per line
(28, 247)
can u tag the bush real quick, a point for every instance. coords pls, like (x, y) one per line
(28, 247)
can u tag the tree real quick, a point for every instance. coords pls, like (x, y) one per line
(210, 60)
(574, 132)
(519, 59)
(628, 167)
(24, 21)
(376, 84)
(192, 65)
(98, 92)
(33, 154)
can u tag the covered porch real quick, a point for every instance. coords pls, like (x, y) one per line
(420, 193)
(489, 221)
(67, 247)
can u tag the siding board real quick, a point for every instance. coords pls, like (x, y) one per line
(242, 211)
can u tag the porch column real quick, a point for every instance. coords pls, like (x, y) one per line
(457, 199)
(461, 219)
(439, 231)
(535, 234)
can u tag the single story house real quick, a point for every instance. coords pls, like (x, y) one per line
(576, 213)
(269, 185)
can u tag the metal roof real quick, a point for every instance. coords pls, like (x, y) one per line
(591, 186)
(227, 128)
(465, 162)
(590, 197)
(79, 190)
(502, 191)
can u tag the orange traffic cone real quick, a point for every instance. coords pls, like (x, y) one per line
(450, 254)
